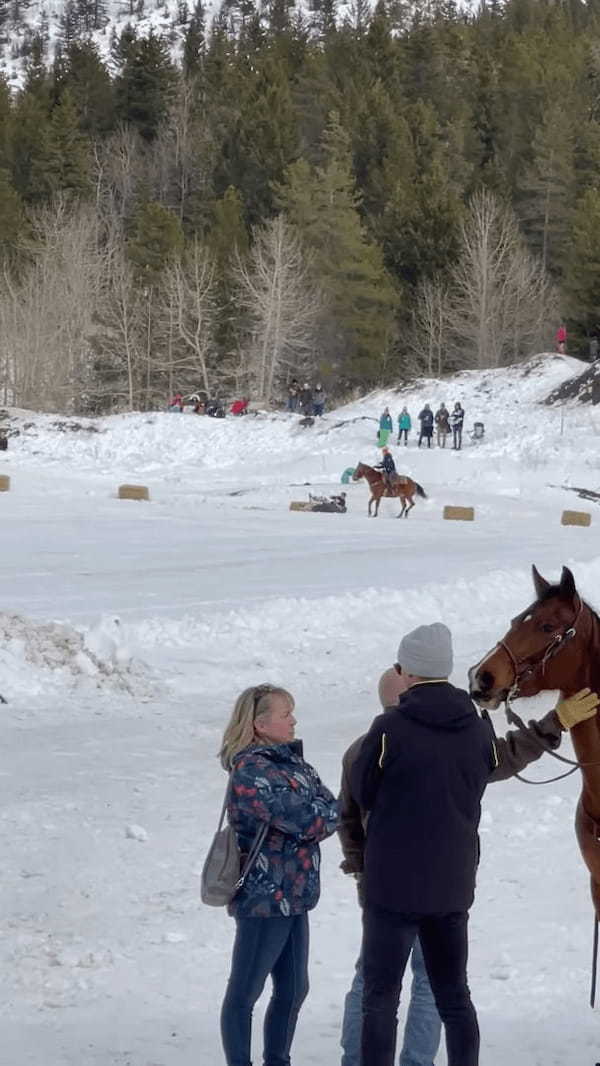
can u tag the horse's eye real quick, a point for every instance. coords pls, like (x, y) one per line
(547, 627)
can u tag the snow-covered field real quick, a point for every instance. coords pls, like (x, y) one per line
(127, 629)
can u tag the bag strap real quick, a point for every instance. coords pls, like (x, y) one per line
(253, 853)
(257, 843)
(225, 802)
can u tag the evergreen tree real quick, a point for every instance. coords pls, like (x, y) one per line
(548, 187)
(146, 85)
(581, 285)
(68, 151)
(194, 44)
(85, 76)
(12, 217)
(156, 237)
(29, 149)
(228, 243)
(360, 299)
(262, 143)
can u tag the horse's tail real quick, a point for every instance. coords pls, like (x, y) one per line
(420, 490)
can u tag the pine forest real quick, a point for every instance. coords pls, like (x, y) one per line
(217, 200)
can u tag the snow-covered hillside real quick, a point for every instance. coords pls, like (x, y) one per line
(128, 629)
(45, 17)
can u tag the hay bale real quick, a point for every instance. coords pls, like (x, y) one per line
(300, 505)
(4, 483)
(134, 492)
(460, 514)
(576, 518)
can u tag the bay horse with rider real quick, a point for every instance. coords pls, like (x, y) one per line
(399, 485)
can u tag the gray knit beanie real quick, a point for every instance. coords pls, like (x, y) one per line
(427, 651)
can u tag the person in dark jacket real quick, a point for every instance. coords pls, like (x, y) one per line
(420, 774)
(442, 422)
(306, 399)
(423, 1025)
(456, 423)
(272, 783)
(387, 467)
(514, 752)
(426, 420)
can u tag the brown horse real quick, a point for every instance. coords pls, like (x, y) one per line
(554, 644)
(403, 486)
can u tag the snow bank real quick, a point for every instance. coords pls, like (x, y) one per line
(48, 658)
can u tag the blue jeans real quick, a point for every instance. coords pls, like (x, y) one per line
(263, 946)
(423, 1026)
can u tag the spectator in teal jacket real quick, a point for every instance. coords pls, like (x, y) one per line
(385, 422)
(404, 425)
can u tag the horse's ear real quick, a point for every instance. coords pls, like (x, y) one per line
(539, 583)
(566, 589)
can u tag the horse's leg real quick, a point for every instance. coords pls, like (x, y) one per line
(403, 505)
(369, 508)
(377, 502)
(411, 504)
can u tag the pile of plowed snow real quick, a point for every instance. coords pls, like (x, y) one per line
(38, 658)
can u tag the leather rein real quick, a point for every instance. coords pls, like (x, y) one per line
(523, 670)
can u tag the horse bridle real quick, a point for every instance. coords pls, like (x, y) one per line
(523, 669)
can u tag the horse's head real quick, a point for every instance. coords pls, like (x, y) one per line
(359, 471)
(537, 653)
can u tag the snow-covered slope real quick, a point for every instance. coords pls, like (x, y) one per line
(163, 17)
(109, 786)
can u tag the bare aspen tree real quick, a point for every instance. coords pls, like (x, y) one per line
(191, 309)
(282, 305)
(119, 342)
(428, 338)
(500, 292)
(180, 160)
(47, 311)
(118, 167)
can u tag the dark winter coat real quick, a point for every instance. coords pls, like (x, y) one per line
(420, 773)
(387, 464)
(426, 420)
(273, 783)
(513, 752)
(457, 418)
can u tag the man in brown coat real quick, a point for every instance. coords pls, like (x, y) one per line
(512, 754)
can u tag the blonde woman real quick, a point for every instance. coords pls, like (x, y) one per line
(271, 783)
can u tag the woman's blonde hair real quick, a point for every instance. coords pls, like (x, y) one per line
(253, 703)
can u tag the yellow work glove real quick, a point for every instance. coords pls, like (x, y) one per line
(577, 708)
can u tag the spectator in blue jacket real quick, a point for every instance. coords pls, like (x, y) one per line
(271, 782)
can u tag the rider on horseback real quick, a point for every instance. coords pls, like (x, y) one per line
(388, 469)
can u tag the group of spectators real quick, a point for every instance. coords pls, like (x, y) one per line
(305, 399)
(213, 408)
(446, 422)
(407, 817)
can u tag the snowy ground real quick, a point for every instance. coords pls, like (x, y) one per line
(130, 627)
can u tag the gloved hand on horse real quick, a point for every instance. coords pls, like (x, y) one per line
(577, 708)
